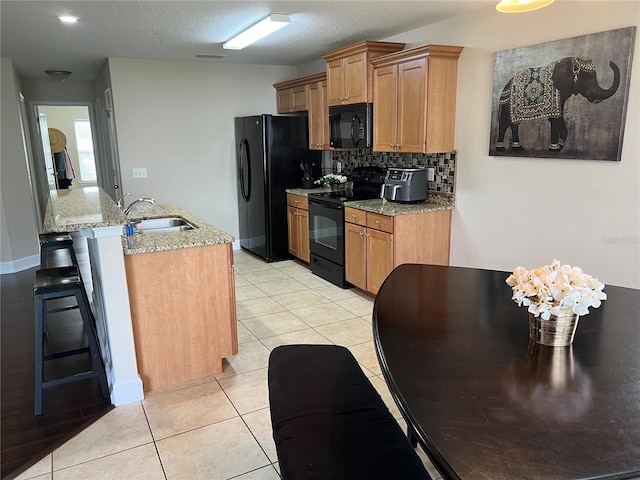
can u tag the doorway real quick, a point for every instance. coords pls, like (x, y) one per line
(79, 163)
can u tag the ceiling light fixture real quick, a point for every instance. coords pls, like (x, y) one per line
(517, 6)
(67, 19)
(58, 75)
(264, 27)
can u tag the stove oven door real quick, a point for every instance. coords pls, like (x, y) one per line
(326, 230)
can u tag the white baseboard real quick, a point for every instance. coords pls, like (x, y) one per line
(20, 264)
(128, 391)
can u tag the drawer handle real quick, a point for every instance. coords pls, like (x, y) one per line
(378, 222)
(353, 216)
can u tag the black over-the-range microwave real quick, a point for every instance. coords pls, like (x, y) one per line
(351, 126)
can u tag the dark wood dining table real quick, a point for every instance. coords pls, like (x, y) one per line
(485, 402)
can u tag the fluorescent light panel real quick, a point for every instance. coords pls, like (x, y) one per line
(264, 27)
(517, 6)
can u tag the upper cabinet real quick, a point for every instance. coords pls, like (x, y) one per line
(350, 73)
(414, 102)
(318, 113)
(292, 95)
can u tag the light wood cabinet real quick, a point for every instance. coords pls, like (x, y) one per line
(298, 225)
(292, 95)
(318, 114)
(414, 102)
(292, 99)
(350, 73)
(183, 313)
(375, 244)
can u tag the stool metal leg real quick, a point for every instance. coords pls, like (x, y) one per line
(90, 332)
(40, 311)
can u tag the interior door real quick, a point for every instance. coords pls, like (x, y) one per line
(46, 148)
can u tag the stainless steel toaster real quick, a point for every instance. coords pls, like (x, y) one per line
(405, 185)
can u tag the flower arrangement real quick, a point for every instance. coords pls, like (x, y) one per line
(550, 289)
(331, 179)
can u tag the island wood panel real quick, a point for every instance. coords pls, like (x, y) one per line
(183, 312)
(422, 238)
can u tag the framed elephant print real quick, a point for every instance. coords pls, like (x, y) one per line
(563, 99)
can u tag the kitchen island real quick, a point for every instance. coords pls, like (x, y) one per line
(185, 277)
(182, 296)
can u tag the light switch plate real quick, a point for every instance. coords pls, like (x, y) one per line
(431, 174)
(139, 173)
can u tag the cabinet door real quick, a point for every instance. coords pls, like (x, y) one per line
(299, 98)
(335, 82)
(355, 255)
(317, 117)
(292, 224)
(285, 100)
(326, 143)
(385, 108)
(303, 236)
(355, 78)
(379, 258)
(412, 106)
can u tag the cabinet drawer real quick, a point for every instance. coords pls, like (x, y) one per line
(380, 222)
(297, 201)
(352, 215)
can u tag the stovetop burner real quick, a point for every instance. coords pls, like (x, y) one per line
(341, 196)
(367, 182)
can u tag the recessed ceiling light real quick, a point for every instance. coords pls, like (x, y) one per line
(68, 19)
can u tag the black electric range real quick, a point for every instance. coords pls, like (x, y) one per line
(326, 222)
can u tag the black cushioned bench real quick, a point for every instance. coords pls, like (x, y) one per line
(330, 423)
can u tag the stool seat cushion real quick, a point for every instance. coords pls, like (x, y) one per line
(57, 279)
(329, 422)
(61, 238)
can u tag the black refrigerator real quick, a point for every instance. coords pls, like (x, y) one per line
(269, 151)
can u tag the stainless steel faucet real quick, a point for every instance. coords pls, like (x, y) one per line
(139, 200)
(120, 201)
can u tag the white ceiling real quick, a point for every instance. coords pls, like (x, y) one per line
(35, 40)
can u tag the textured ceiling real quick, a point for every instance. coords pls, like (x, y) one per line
(35, 40)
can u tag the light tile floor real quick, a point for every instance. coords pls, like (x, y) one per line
(219, 427)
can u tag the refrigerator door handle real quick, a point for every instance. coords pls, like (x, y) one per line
(245, 170)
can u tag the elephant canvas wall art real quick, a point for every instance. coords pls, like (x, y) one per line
(563, 99)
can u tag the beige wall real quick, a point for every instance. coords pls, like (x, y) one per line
(19, 237)
(176, 120)
(528, 211)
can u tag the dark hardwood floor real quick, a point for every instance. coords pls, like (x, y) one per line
(68, 408)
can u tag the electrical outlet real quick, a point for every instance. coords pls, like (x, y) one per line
(431, 174)
(139, 173)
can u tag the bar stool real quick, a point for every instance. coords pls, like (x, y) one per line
(50, 284)
(56, 241)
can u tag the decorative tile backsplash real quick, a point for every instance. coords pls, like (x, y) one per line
(444, 164)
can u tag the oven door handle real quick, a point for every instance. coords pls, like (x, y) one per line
(333, 206)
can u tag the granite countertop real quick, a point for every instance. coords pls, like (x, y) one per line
(204, 235)
(304, 192)
(379, 205)
(81, 208)
(433, 203)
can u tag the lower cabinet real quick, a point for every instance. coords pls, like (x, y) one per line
(375, 244)
(183, 313)
(298, 224)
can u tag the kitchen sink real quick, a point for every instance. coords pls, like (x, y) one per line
(162, 225)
